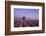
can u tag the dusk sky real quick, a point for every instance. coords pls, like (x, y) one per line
(30, 14)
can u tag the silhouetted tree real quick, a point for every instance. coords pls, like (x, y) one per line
(23, 18)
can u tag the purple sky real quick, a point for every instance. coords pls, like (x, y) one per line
(30, 14)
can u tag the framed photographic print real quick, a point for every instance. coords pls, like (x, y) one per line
(24, 17)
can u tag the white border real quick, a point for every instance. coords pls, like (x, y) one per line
(26, 28)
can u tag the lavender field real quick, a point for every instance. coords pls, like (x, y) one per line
(26, 23)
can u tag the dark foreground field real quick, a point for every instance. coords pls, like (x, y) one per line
(26, 23)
